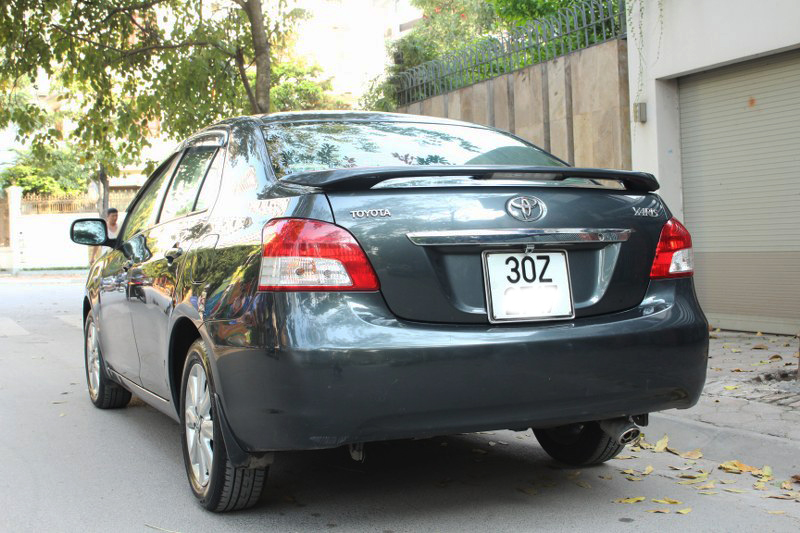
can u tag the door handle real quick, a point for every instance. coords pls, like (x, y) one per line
(173, 253)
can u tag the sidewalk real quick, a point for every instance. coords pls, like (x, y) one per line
(750, 407)
(45, 276)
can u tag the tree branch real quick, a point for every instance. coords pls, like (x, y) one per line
(243, 76)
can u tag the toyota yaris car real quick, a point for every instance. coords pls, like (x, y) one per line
(312, 280)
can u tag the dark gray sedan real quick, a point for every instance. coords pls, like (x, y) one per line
(312, 280)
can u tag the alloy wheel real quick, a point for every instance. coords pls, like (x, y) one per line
(199, 424)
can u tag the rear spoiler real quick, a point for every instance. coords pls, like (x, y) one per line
(342, 179)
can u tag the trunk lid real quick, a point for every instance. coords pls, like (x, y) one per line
(426, 243)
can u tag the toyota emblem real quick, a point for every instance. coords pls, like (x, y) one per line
(526, 208)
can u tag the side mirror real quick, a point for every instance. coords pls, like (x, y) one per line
(89, 231)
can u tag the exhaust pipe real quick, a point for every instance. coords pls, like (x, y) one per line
(622, 430)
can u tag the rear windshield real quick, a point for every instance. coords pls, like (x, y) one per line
(308, 147)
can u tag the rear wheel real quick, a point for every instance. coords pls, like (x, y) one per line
(104, 393)
(578, 444)
(215, 481)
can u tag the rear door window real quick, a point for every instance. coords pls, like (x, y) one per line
(183, 190)
(210, 187)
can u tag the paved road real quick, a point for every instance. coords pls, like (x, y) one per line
(67, 466)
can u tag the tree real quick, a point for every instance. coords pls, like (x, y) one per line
(131, 64)
(521, 11)
(47, 171)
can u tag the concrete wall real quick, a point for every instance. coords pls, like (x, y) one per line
(691, 36)
(575, 106)
(42, 240)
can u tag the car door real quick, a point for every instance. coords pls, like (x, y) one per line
(168, 243)
(116, 288)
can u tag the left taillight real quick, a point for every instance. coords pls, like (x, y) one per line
(310, 255)
(674, 257)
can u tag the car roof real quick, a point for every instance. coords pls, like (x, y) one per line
(356, 116)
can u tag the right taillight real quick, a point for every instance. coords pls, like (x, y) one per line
(310, 255)
(673, 253)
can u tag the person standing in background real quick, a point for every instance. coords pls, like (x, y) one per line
(112, 216)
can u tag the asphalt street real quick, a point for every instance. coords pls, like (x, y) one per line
(67, 466)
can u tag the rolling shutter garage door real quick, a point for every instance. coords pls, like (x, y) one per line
(740, 151)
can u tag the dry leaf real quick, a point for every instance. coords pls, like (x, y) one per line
(583, 484)
(727, 481)
(775, 357)
(776, 512)
(709, 485)
(717, 330)
(732, 387)
(573, 474)
(761, 347)
(796, 478)
(647, 471)
(629, 471)
(633, 478)
(759, 334)
(635, 499)
(606, 477)
(735, 491)
(781, 497)
(669, 501)
(759, 485)
(737, 467)
(735, 350)
(694, 454)
(707, 492)
(661, 445)
(492, 443)
(701, 476)
(685, 511)
(786, 485)
(659, 511)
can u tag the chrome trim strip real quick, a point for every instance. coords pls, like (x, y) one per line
(491, 237)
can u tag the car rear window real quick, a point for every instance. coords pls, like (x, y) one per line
(313, 146)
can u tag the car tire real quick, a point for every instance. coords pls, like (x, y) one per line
(103, 392)
(219, 486)
(578, 444)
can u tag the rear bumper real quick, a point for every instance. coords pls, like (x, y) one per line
(322, 370)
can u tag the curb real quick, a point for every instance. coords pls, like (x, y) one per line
(725, 443)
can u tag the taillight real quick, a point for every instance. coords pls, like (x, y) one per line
(673, 253)
(310, 255)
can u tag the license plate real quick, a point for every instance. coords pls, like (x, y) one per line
(527, 286)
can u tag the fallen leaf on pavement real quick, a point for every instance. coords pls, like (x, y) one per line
(780, 496)
(761, 347)
(702, 475)
(735, 491)
(740, 370)
(659, 511)
(735, 350)
(669, 501)
(661, 445)
(709, 485)
(685, 511)
(732, 387)
(583, 484)
(775, 357)
(647, 471)
(680, 467)
(707, 492)
(759, 334)
(573, 474)
(694, 454)
(635, 499)
(759, 485)
(776, 512)
(737, 467)
(786, 485)
(629, 471)
(633, 478)
(796, 478)
(727, 481)
(608, 478)
(492, 443)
